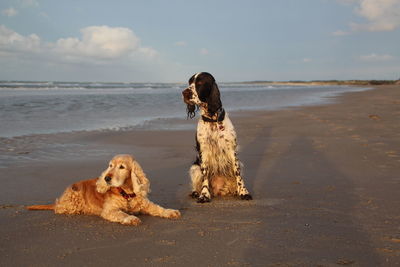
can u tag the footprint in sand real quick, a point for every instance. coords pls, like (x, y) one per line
(392, 154)
(374, 117)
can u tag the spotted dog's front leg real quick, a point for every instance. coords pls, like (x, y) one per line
(240, 187)
(205, 195)
(200, 183)
(200, 173)
(196, 177)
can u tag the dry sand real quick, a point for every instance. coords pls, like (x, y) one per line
(325, 182)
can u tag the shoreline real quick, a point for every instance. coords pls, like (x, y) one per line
(31, 148)
(324, 180)
(120, 114)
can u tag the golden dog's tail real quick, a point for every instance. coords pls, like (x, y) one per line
(40, 207)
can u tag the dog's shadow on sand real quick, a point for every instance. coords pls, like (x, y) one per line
(254, 155)
(311, 221)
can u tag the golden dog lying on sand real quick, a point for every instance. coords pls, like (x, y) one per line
(120, 190)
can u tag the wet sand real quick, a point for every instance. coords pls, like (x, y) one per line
(325, 181)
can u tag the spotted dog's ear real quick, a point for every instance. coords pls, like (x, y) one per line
(191, 79)
(140, 183)
(191, 111)
(214, 100)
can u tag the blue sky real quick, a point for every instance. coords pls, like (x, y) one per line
(167, 41)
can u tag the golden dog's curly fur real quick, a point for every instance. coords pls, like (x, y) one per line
(120, 191)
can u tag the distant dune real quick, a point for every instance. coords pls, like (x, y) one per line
(330, 82)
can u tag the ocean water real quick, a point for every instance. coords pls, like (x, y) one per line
(30, 108)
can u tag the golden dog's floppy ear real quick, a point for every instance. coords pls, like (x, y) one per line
(140, 183)
(101, 185)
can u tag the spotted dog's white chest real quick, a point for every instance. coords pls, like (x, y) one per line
(217, 146)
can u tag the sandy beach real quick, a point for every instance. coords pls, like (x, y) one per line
(325, 181)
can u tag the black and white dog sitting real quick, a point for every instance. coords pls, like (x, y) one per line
(216, 170)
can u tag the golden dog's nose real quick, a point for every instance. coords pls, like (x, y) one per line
(107, 179)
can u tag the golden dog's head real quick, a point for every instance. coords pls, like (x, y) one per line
(122, 171)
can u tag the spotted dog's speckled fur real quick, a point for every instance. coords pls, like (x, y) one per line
(216, 170)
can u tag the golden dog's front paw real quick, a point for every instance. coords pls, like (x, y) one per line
(172, 214)
(102, 186)
(131, 220)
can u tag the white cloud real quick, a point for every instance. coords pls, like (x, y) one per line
(376, 58)
(9, 12)
(180, 43)
(28, 3)
(348, 2)
(12, 42)
(97, 53)
(103, 42)
(204, 51)
(98, 43)
(100, 53)
(340, 33)
(380, 15)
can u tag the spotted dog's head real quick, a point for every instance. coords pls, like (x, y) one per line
(202, 92)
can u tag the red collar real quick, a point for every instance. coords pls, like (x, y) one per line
(125, 195)
(220, 116)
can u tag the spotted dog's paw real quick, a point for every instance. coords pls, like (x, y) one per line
(194, 194)
(246, 197)
(203, 199)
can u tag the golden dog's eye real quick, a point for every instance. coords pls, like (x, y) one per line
(110, 166)
(121, 167)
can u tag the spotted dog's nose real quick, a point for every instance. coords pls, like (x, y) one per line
(187, 94)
